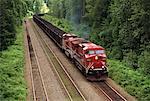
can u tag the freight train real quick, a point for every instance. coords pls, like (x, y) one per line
(87, 56)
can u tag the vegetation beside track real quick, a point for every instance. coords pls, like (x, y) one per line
(132, 81)
(135, 82)
(60, 23)
(12, 83)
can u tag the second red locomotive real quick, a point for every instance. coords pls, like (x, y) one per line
(88, 57)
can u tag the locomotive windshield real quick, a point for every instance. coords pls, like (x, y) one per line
(91, 52)
(99, 52)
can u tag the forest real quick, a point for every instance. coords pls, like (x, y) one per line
(122, 27)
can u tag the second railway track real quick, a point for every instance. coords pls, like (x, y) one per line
(70, 87)
(38, 87)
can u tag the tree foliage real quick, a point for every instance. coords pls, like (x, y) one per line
(12, 82)
(121, 26)
(11, 13)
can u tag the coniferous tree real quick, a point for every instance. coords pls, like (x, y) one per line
(11, 15)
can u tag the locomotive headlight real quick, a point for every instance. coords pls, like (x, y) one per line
(92, 67)
(96, 57)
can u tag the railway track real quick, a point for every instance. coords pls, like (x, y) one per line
(38, 87)
(68, 84)
(108, 91)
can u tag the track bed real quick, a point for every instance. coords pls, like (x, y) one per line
(63, 81)
(38, 87)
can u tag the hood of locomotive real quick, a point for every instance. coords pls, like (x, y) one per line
(96, 61)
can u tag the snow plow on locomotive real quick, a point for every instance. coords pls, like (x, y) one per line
(87, 56)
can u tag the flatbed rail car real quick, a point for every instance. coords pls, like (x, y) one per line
(87, 56)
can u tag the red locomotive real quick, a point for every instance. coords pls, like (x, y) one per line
(88, 57)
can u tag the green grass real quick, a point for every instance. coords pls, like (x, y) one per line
(12, 83)
(132, 81)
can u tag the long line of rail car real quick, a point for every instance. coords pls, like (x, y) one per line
(87, 56)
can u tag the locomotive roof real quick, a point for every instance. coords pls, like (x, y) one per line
(90, 45)
(85, 44)
(69, 34)
(76, 40)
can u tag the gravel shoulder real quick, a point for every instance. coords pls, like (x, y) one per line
(27, 66)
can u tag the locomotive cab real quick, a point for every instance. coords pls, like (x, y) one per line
(88, 57)
(97, 57)
(95, 61)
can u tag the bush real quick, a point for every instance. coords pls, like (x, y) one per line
(116, 53)
(135, 83)
(12, 83)
(144, 62)
(131, 59)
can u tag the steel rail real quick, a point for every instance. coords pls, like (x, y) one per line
(112, 94)
(98, 88)
(115, 91)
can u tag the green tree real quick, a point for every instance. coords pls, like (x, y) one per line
(11, 15)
